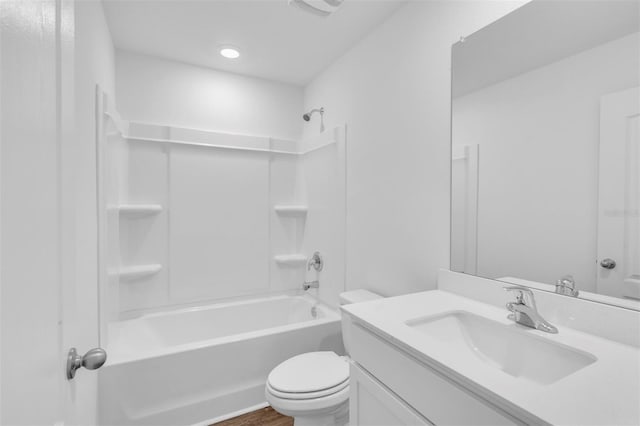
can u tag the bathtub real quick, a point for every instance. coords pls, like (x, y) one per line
(197, 365)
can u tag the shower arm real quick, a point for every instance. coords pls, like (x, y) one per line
(307, 116)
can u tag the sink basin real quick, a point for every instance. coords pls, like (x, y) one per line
(510, 348)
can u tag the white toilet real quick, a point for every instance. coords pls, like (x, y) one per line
(313, 388)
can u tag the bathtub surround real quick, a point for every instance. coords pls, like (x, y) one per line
(393, 89)
(196, 217)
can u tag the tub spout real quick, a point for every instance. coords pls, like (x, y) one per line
(310, 284)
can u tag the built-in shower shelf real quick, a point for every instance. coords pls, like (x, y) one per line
(139, 209)
(136, 272)
(290, 259)
(291, 209)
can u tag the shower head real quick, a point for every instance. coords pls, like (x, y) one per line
(307, 116)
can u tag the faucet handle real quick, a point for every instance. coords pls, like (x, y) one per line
(567, 285)
(524, 295)
(315, 261)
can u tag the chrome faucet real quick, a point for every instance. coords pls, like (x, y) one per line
(524, 311)
(567, 286)
(310, 284)
(317, 263)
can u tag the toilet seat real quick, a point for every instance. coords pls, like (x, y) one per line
(309, 376)
(333, 403)
(307, 395)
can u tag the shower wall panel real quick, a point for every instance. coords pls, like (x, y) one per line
(143, 239)
(208, 216)
(323, 179)
(287, 231)
(219, 223)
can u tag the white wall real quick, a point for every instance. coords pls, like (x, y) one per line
(539, 141)
(393, 91)
(157, 91)
(94, 64)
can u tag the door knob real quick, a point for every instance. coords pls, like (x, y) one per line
(92, 360)
(608, 263)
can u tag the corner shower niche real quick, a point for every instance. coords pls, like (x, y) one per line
(191, 217)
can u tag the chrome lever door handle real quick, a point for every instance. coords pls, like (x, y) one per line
(92, 360)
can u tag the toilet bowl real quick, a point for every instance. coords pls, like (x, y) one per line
(313, 387)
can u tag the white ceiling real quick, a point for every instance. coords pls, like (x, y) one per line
(277, 41)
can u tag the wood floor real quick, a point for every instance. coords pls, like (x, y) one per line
(263, 417)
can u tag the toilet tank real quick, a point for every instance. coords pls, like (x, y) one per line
(347, 298)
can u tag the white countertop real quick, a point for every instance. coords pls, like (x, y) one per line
(606, 392)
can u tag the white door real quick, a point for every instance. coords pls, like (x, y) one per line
(38, 321)
(619, 195)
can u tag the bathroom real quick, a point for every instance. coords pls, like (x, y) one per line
(319, 212)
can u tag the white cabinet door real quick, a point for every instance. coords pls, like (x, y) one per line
(619, 195)
(426, 390)
(372, 404)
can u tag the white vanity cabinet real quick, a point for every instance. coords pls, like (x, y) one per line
(390, 387)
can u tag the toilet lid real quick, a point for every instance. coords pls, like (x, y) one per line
(310, 372)
(317, 395)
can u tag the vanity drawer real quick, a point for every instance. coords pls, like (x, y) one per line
(373, 404)
(428, 392)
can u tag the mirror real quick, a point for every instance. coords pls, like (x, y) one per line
(546, 150)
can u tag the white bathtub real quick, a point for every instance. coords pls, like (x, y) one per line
(198, 364)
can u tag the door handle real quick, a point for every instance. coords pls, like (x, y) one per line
(92, 360)
(608, 263)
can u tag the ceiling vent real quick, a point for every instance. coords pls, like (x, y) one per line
(321, 8)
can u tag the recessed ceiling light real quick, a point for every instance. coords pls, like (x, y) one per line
(230, 52)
